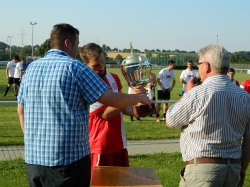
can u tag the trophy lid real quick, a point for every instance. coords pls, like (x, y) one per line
(136, 69)
(134, 58)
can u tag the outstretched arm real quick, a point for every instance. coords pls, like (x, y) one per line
(110, 112)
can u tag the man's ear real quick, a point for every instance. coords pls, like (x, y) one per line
(67, 43)
(208, 67)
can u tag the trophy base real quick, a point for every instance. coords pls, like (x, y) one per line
(143, 110)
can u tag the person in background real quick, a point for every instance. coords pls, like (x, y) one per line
(165, 77)
(10, 71)
(17, 77)
(231, 73)
(153, 82)
(130, 90)
(150, 91)
(186, 75)
(53, 107)
(107, 135)
(215, 124)
(24, 65)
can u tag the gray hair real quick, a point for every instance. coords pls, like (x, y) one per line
(217, 56)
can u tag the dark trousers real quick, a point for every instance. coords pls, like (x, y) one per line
(76, 174)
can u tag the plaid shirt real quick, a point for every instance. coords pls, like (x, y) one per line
(56, 92)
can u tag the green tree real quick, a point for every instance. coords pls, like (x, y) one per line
(44, 48)
(104, 47)
(148, 55)
(25, 51)
(3, 46)
(119, 58)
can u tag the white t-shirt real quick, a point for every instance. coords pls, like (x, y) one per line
(166, 78)
(18, 69)
(151, 93)
(186, 75)
(11, 66)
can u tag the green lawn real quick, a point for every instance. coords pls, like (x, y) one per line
(11, 134)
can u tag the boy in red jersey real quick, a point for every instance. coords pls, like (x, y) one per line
(107, 135)
(231, 73)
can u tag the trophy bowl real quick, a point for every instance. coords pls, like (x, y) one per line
(136, 70)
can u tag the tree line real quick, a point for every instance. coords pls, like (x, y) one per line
(240, 57)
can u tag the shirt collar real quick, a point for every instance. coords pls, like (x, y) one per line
(57, 51)
(217, 77)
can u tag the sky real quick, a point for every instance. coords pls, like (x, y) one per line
(149, 24)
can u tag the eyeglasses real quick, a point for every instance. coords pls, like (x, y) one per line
(199, 63)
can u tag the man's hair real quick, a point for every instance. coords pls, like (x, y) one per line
(90, 51)
(190, 61)
(171, 62)
(23, 59)
(16, 57)
(217, 56)
(60, 33)
(231, 70)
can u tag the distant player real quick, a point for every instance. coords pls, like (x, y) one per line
(186, 75)
(231, 73)
(165, 77)
(17, 77)
(10, 71)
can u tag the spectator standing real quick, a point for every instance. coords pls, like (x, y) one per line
(186, 75)
(150, 91)
(53, 108)
(165, 77)
(25, 66)
(151, 88)
(10, 72)
(130, 90)
(17, 77)
(215, 124)
(231, 73)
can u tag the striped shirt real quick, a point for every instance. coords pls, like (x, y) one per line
(213, 118)
(56, 92)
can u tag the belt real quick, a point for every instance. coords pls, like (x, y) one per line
(214, 160)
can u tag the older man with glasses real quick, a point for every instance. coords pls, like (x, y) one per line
(215, 124)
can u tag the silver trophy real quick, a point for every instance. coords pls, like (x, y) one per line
(136, 70)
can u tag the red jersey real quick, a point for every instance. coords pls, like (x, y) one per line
(236, 82)
(106, 136)
(246, 85)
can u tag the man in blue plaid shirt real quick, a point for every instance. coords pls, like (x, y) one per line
(53, 104)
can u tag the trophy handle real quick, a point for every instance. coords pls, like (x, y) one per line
(125, 76)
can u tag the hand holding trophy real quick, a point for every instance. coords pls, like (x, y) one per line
(136, 70)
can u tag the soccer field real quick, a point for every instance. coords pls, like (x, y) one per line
(174, 94)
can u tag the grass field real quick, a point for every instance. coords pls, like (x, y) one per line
(167, 166)
(146, 129)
